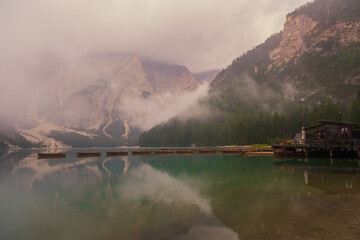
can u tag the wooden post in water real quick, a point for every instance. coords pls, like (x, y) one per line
(331, 157)
(306, 176)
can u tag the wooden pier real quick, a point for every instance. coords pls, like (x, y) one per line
(164, 151)
(327, 139)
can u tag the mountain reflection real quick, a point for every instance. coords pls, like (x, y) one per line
(101, 198)
(177, 197)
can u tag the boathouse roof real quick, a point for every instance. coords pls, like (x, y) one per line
(337, 123)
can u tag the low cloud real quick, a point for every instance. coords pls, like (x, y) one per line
(201, 35)
(146, 113)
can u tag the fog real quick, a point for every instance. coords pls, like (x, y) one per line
(146, 113)
(202, 35)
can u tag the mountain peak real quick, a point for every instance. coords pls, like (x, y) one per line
(171, 78)
(102, 98)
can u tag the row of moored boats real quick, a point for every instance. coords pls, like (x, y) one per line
(238, 151)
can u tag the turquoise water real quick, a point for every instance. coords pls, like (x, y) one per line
(177, 197)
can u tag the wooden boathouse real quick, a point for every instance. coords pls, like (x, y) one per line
(328, 138)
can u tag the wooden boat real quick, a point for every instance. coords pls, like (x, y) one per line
(259, 153)
(164, 151)
(141, 152)
(256, 150)
(51, 155)
(119, 153)
(185, 151)
(88, 154)
(207, 151)
(230, 151)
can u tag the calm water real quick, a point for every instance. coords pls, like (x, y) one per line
(177, 197)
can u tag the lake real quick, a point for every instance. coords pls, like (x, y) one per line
(177, 197)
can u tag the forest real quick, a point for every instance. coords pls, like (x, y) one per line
(247, 123)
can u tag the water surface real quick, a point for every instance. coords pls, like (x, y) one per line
(177, 197)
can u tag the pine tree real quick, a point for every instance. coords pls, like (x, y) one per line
(355, 108)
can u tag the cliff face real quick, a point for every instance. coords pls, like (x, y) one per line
(292, 43)
(315, 57)
(207, 76)
(343, 33)
(90, 99)
(301, 35)
(172, 79)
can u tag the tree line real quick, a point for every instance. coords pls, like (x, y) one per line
(241, 122)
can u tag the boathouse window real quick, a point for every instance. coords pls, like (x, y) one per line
(321, 134)
(344, 133)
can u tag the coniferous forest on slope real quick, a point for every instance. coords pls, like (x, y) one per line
(248, 98)
(247, 123)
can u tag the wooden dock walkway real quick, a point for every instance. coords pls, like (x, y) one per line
(164, 151)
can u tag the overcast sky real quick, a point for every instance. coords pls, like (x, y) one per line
(202, 35)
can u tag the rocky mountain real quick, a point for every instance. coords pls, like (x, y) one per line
(307, 72)
(163, 78)
(207, 76)
(316, 56)
(95, 100)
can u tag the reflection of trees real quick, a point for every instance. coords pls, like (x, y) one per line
(258, 200)
(43, 168)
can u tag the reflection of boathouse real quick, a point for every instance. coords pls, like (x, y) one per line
(328, 138)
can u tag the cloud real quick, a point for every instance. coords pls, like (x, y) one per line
(199, 34)
(146, 113)
(146, 182)
(202, 35)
